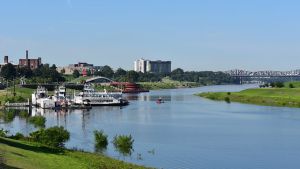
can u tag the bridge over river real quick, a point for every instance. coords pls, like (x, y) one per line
(264, 76)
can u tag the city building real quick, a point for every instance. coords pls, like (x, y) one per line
(158, 66)
(30, 63)
(82, 67)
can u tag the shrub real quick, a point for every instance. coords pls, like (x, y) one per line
(291, 85)
(123, 144)
(228, 93)
(38, 121)
(53, 136)
(279, 84)
(227, 99)
(3, 132)
(101, 140)
(18, 136)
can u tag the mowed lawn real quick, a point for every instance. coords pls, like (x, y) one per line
(27, 155)
(263, 96)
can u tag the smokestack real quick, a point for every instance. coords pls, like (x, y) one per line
(5, 59)
(27, 60)
(26, 54)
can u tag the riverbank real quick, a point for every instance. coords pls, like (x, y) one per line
(287, 97)
(167, 84)
(23, 154)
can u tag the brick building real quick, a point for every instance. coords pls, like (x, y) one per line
(31, 63)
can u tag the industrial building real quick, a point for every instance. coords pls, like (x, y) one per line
(30, 63)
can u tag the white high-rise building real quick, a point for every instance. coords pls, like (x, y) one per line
(142, 65)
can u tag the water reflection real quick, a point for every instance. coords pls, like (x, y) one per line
(185, 132)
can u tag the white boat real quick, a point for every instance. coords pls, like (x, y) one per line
(60, 98)
(91, 97)
(40, 98)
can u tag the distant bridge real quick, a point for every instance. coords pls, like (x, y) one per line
(264, 76)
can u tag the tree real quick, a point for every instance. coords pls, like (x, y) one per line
(53, 67)
(120, 72)
(107, 71)
(8, 71)
(76, 74)
(24, 71)
(53, 136)
(132, 76)
(177, 74)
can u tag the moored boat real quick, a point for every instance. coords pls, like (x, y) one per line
(91, 97)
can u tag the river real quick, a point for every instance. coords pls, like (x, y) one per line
(187, 132)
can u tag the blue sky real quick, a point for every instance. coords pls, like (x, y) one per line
(193, 34)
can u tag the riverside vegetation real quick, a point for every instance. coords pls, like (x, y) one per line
(274, 94)
(44, 149)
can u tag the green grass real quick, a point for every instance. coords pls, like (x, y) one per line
(167, 83)
(7, 94)
(289, 97)
(22, 154)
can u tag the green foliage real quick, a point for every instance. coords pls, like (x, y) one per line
(265, 96)
(3, 132)
(37, 121)
(227, 99)
(16, 99)
(76, 74)
(132, 76)
(8, 71)
(24, 71)
(101, 140)
(18, 136)
(46, 74)
(202, 77)
(291, 85)
(123, 144)
(279, 84)
(30, 155)
(53, 136)
(105, 71)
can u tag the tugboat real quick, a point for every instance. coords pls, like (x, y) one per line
(93, 98)
(41, 99)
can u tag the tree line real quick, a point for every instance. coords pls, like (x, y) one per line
(48, 74)
(201, 77)
(43, 74)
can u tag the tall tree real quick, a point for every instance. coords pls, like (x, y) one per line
(8, 71)
(76, 74)
(107, 71)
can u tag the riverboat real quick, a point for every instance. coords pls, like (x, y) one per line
(93, 98)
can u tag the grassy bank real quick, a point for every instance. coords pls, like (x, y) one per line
(22, 154)
(22, 94)
(167, 83)
(286, 96)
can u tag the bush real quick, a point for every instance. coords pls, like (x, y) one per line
(53, 136)
(291, 85)
(38, 121)
(227, 99)
(279, 84)
(3, 132)
(123, 144)
(18, 136)
(100, 139)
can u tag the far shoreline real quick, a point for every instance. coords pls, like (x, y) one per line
(279, 97)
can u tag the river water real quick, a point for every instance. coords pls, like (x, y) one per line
(186, 132)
